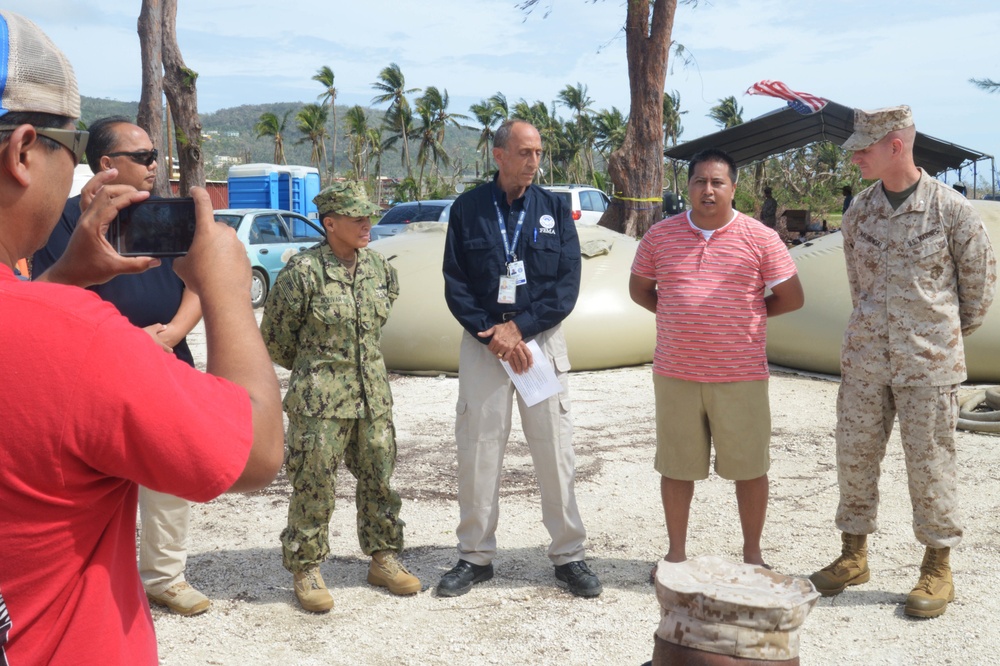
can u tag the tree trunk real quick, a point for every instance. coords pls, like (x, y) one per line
(636, 169)
(150, 115)
(179, 85)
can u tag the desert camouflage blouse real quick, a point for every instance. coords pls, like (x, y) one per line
(921, 277)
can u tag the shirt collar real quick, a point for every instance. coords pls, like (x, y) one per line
(501, 197)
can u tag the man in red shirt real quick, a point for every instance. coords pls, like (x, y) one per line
(92, 406)
(704, 275)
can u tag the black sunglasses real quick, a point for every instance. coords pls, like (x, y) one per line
(75, 141)
(143, 157)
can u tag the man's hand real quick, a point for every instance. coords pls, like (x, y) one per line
(157, 331)
(95, 185)
(89, 258)
(508, 345)
(217, 262)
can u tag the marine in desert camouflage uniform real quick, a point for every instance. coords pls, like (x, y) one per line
(323, 321)
(922, 275)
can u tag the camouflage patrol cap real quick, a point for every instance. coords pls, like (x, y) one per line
(871, 126)
(714, 605)
(347, 197)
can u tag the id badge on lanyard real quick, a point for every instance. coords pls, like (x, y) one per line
(516, 275)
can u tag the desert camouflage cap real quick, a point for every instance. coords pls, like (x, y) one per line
(871, 126)
(348, 198)
(714, 605)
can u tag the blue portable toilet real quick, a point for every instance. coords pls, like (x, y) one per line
(274, 186)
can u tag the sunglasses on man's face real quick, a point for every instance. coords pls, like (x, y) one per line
(75, 141)
(143, 157)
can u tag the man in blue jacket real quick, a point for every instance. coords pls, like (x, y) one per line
(512, 274)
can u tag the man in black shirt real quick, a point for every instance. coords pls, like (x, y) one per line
(512, 274)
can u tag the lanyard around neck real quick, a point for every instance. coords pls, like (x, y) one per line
(509, 247)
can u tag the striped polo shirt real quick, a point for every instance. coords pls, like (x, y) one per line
(711, 321)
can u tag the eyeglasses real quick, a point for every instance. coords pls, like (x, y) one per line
(143, 157)
(75, 141)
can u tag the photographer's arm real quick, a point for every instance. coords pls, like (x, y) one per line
(218, 272)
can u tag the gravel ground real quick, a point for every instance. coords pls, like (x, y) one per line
(521, 617)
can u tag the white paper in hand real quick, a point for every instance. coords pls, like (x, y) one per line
(539, 382)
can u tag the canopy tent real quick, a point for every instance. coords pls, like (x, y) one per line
(786, 129)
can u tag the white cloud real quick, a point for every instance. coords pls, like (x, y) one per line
(857, 52)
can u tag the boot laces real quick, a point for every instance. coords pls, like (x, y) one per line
(311, 579)
(392, 565)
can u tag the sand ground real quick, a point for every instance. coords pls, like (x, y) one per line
(521, 617)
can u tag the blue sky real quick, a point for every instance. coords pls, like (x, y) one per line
(857, 52)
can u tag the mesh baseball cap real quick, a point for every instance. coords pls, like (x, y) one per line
(35, 76)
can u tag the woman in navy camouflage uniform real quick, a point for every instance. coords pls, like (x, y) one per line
(323, 321)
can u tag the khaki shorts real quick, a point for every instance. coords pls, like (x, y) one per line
(692, 417)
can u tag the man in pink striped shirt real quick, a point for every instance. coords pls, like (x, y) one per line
(704, 273)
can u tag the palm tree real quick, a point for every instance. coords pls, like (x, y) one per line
(324, 75)
(548, 127)
(672, 113)
(499, 101)
(576, 99)
(486, 115)
(311, 121)
(727, 113)
(357, 129)
(437, 101)
(375, 148)
(672, 128)
(269, 125)
(431, 135)
(392, 85)
(399, 123)
(611, 126)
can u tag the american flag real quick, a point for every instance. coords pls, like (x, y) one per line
(804, 103)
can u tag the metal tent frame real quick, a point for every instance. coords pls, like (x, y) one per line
(784, 129)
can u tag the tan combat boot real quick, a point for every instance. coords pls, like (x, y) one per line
(387, 571)
(851, 568)
(311, 591)
(935, 588)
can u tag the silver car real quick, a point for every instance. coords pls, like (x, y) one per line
(402, 214)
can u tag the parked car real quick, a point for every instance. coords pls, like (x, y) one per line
(397, 217)
(271, 238)
(586, 203)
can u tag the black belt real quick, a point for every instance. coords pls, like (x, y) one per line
(508, 316)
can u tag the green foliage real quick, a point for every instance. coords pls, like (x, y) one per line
(728, 112)
(189, 78)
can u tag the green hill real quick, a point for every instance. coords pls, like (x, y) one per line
(229, 137)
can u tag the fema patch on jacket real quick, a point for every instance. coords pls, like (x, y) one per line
(546, 224)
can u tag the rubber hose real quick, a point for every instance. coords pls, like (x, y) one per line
(993, 397)
(988, 422)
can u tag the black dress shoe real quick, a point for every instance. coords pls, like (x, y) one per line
(580, 580)
(462, 577)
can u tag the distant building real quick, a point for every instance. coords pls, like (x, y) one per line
(225, 160)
